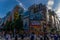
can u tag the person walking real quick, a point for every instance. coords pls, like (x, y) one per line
(8, 37)
(22, 35)
(55, 37)
(16, 37)
(41, 37)
(33, 36)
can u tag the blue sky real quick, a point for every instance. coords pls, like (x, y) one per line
(7, 5)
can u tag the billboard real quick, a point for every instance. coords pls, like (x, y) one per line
(35, 26)
(33, 23)
(37, 16)
(16, 15)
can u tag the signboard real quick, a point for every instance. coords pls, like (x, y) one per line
(26, 23)
(16, 15)
(36, 16)
(35, 26)
(34, 23)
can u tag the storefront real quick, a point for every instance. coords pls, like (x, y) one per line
(35, 26)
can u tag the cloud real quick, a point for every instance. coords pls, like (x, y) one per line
(57, 10)
(50, 4)
(21, 4)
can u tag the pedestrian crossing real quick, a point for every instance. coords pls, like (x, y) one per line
(19, 38)
(27, 38)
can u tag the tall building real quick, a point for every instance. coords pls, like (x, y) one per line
(17, 10)
(53, 21)
(37, 16)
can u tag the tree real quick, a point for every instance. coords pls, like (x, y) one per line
(7, 26)
(19, 23)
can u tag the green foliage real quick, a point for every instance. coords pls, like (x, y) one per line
(17, 24)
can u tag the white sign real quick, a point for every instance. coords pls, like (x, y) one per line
(35, 22)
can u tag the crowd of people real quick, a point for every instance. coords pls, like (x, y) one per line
(28, 36)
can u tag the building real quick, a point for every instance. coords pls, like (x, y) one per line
(53, 21)
(37, 18)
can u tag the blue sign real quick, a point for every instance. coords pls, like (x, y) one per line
(35, 23)
(36, 16)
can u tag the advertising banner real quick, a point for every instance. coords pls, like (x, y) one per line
(34, 23)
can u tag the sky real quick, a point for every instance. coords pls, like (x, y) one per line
(8, 5)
